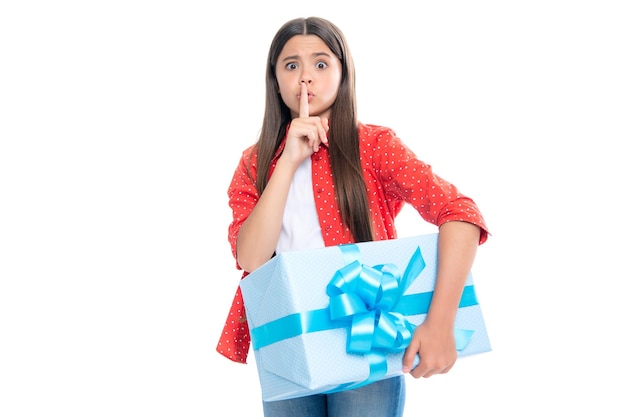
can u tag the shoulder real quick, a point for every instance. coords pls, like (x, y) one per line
(375, 137)
(248, 157)
(247, 164)
(250, 151)
(372, 131)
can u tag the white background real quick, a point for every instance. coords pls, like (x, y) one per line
(121, 123)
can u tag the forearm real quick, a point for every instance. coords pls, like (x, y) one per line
(457, 247)
(258, 236)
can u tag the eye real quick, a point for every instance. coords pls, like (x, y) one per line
(321, 65)
(291, 66)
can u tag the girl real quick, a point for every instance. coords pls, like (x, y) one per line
(318, 177)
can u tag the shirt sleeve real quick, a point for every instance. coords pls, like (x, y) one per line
(242, 196)
(406, 178)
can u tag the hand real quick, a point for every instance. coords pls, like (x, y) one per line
(305, 133)
(436, 348)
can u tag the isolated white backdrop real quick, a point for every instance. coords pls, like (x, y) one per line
(122, 121)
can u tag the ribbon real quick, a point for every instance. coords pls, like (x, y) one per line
(370, 302)
(364, 298)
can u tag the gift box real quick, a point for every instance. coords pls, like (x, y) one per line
(340, 317)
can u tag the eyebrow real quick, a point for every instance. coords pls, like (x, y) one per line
(315, 55)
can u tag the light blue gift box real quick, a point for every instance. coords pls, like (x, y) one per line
(340, 317)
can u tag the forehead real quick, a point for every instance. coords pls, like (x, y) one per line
(301, 46)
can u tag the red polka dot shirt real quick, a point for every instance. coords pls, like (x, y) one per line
(394, 176)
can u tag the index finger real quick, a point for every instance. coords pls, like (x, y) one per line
(304, 100)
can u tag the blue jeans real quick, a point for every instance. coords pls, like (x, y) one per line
(379, 399)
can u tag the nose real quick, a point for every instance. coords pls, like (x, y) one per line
(305, 76)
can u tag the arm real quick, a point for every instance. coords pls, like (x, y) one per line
(258, 235)
(434, 339)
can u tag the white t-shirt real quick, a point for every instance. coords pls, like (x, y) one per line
(301, 227)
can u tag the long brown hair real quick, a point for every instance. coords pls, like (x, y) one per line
(343, 134)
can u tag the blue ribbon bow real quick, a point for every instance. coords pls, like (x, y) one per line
(364, 298)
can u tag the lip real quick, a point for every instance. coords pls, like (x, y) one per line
(309, 95)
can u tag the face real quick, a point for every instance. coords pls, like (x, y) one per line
(307, 58)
